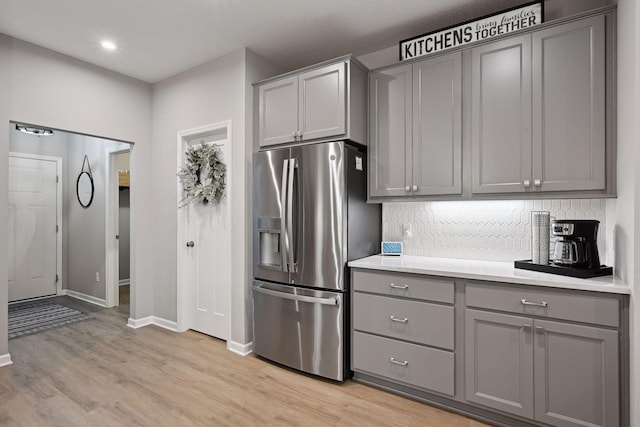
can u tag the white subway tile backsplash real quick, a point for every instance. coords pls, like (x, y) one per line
(485, 230)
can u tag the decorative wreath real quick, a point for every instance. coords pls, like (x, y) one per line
(203, 177)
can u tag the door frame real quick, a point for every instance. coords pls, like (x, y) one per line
(59, 218)
(111, 206)
(183, 318)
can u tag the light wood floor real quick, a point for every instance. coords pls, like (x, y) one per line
(102, 373)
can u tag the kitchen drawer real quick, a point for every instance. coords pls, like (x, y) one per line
(560, 304)
(416, 321)
(412, 364)
(404, 285)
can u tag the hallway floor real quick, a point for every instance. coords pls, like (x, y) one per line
(102, 373)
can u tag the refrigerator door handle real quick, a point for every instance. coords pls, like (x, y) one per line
(291, 237)
(284, 237)
(301, 298)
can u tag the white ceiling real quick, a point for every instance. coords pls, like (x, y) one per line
(160, 38)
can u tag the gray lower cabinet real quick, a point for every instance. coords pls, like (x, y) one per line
(554, 372)
(499, 361)
(403, 329)
(576, 375)
(514, 354)
(415, 128)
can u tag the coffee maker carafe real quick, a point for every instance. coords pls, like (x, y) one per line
(576, 245)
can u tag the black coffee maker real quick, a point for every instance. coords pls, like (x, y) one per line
(577, 245)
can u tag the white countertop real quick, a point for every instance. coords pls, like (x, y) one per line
(488, 270)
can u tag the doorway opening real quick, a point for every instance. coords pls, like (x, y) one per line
(80, 220)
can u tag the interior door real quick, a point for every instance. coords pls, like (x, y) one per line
(32, 228)
(208, 248)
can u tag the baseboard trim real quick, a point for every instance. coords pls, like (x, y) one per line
(140, 323)
(124, 282)
(5, 360)
(153, 320)
(84, 297)
(241, 349)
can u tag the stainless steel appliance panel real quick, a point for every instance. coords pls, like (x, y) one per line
(270, 172)
(319, 216)
(300, 328)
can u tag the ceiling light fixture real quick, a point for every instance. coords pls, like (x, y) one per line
(34, 131)
(109, 45)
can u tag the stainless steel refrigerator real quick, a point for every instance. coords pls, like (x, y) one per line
(310, 217)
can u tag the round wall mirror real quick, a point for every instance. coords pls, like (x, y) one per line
(84, 189)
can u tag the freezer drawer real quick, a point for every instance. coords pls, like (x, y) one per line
(300, 328)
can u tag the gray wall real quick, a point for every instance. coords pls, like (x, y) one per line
(211, 93)
(124, 213)
(42, 87)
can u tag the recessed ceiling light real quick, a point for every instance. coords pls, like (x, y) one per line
(109, 45)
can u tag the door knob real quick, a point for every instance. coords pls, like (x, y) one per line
(190, 244)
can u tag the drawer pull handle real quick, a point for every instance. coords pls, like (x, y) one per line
(539, 304)
(395, 319)
(397, 362)
(394, 286)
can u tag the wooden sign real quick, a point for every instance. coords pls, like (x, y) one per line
(483, 28)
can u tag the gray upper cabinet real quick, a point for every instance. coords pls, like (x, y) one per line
(569, 106)
(390, 99)
(415, 128)
(324, 102)
(501, 116)
(437, 126)
(278, 109)
(539, 111)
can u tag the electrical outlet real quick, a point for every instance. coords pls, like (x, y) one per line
(406, 231)
(97, 276)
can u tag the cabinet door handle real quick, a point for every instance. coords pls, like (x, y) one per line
(407, 188)
(294, 135)
(394, 286)
(397, 362)
(538, 304)
(299, 134)
(526, 183)
(539, 329)
(536, 182)
(396, 319)
(414, 188)
(526, 326)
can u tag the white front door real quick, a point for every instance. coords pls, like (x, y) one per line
(206, 272)
(32, 228)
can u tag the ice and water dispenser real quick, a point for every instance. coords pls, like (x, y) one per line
(269, 230)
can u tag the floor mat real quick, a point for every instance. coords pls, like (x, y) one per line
(40, 316)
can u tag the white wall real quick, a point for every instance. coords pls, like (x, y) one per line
(627, 235)
(42, 87)
(553, 9)
(211, 93)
